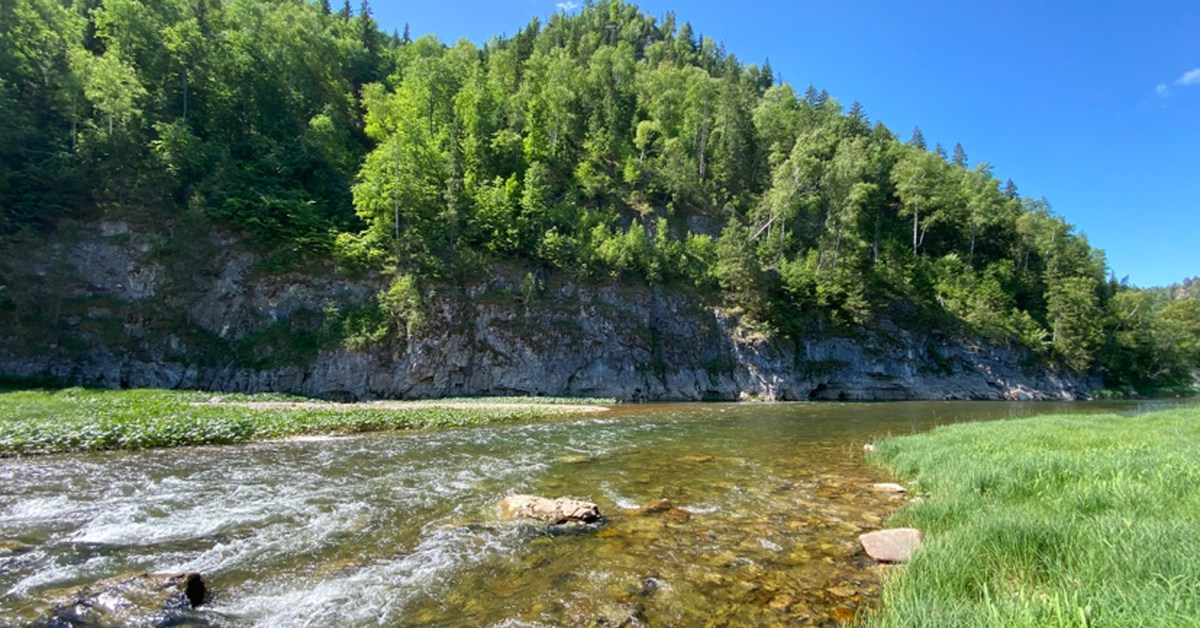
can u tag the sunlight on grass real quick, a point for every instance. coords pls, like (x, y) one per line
(76, 419)
(1065, 521)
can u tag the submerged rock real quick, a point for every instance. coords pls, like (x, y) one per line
(131, 600)
(553, 511)
(12, 548)
(659, 505)
(891, 546)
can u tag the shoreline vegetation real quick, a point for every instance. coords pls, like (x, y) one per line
(1060, 521)
(76, 420)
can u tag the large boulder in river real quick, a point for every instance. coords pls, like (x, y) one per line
(131, 600)
(553, 511)
(891, 546)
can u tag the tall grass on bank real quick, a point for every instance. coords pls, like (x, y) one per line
(1064, 521)
(76, 419)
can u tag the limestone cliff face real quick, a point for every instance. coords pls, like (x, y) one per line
(485, 339)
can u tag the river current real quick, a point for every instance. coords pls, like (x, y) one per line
(403, 529)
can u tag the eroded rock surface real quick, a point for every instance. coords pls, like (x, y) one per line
(552, 511)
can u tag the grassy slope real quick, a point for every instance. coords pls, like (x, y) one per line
(75, 419)
(1051, 521)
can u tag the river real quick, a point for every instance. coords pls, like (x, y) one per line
(402, 529)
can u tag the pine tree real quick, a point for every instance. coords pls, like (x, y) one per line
(917, 139)
(960, 155)
(939, 151)
(345, 12)
(406, 38)
(325, 8)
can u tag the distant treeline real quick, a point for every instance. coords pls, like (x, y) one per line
(603, 144)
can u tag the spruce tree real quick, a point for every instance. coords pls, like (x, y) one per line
(917, 139)
(1010, 189)
(960, 155)
(766, 77)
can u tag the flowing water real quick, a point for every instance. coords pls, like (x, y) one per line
(404, 530)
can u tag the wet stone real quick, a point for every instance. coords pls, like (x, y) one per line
(890, 488)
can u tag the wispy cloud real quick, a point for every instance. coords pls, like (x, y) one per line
(1162, 90)
(568, 6)
(1189, 78)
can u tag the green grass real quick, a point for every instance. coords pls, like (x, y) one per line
(1062, 521)
(76, 419)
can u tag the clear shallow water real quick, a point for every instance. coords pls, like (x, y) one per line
(403, 529)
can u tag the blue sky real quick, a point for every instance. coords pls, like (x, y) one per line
(1093, 105)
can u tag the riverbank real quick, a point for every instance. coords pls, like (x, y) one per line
(77, 419)
(1050, 521)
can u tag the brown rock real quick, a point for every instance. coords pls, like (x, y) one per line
(661, 505)
(891, 546)
(677, 515)
(561, 510)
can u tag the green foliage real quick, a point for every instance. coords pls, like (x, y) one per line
(601, 144)
(75, 419)
(1034, 522)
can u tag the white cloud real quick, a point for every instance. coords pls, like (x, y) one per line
(1162, 90)
(568, 6)
(1189, 78)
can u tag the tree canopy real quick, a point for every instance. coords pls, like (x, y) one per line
(602, 144)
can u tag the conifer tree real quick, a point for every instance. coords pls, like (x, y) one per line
(1010, 189)
(917, 139)
(960, 155)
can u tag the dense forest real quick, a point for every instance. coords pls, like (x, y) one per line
(606, 145)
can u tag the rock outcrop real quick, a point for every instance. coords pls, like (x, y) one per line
(125, 320)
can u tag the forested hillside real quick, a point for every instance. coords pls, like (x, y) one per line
(604, 146)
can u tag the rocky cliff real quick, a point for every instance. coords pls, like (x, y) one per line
(110, 309)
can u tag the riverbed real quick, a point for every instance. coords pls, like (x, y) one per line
(403, 529)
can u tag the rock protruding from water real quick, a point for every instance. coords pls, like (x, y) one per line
(890, 487)
(552, 511)
(891, 546)
(131, 600)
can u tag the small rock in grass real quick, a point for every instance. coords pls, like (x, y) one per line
(868, 447)
(891, 546)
